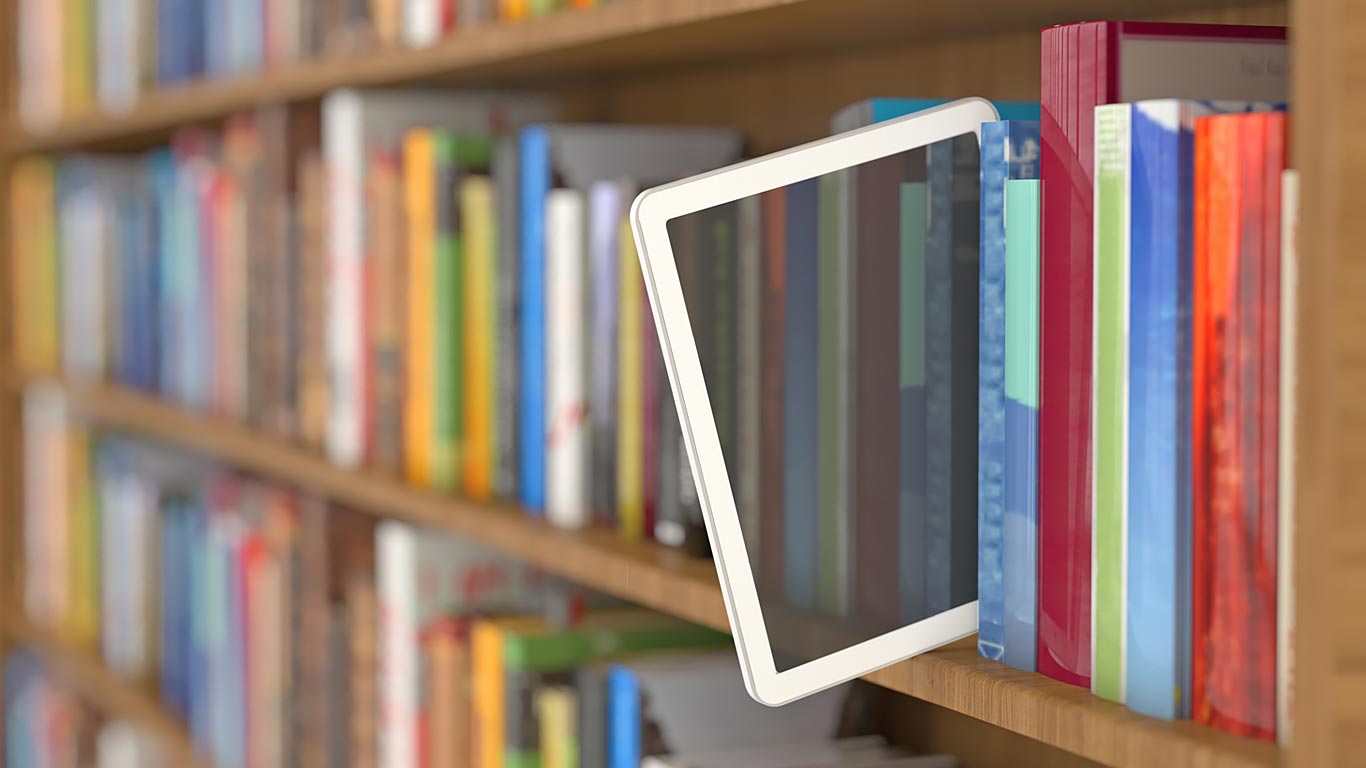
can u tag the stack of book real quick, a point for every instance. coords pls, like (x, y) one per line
(81, 55)
(1133, 453)
(48, 724)
(287, 633)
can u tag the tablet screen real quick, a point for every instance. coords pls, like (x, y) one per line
(835, 320)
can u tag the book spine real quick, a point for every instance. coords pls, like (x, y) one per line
(830, 587)
(344, 151)
(389, 294)
(1021, 520)
(1157, 584)
(630, 394)
(654, 397)
(487, 695)
(1075, 77)
(913, 209)
(624, 746)
(395, 573)
(477, 216)
(1109, 379)
(507, 344)
(419, 174)
(33, 196)
(772, 411)
(749, 283)
(991, 407)
(447, 384)
(534, 188)
(606, 209)
(801, 529)
(568, 494)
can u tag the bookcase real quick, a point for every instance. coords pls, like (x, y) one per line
(777, 69)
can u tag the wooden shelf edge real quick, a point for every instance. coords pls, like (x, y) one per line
(90, 679)
(954, 677)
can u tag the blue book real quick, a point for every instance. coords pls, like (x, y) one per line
(161, 173)
(911, 376)
(138, 312)
(1021, 521)
(1010, 150)
(879, 110)
(534, 189)
(623, 719)
(173, 654)
(800, 403)
(1158, 626)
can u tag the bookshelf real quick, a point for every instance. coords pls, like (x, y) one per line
(777, 69)
(954, 678)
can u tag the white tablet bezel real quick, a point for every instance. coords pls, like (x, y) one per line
(650, 213)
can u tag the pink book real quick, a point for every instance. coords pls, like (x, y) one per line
(1085, 65)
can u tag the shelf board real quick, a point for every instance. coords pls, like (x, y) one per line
(88, 677)
(954, 677)
(581, 46)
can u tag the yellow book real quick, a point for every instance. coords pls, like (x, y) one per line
(78, 74)
(630, 427)
(34, 246)
(487, 692)
(419, 179)
(477, 218)
(83, 608)
(514, 10)
(559, 711)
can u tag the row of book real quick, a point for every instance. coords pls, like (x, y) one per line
(1133, 451)
(286, 632)
(77, 56)
(48, 724)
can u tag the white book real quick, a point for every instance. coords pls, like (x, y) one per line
(46, 504)
(396, 586)
(120, 745)
(354, 122)
(421, 22)
(117, 53)
(1285, 546)
(81, 235)
(568, 502)
(127, 509)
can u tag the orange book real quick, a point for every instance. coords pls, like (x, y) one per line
(33, 232)
(419, 179)
(487, 694)
(477, 217)
(513, 10)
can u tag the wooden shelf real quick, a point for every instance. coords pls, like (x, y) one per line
(620, 38)
(954, 677)
(114, 697)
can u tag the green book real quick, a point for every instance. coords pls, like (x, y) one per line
(829, 581)
(1110, 360)
(455, 157)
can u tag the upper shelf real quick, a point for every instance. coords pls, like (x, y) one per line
(954, 677)
(575, 45)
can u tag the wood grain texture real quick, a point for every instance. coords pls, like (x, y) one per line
(1329, 143)
(627, 36)
(954, 677)
(109, 694)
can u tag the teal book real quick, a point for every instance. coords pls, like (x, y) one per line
(881, 109)
(1110, 361)
(1020, 558)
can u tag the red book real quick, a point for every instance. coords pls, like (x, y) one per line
(1083, 66)
(1237, 267)
(771, 368)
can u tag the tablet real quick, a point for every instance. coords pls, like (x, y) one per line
(817, 312)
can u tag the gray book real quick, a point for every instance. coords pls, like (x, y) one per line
(507, 328)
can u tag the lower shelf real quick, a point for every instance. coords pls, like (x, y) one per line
(954, 677)
(87, 676)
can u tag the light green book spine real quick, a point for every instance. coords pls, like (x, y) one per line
(1110, 345)
(446, 316)
(829, 587)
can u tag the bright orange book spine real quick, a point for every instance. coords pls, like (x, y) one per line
(487, 694)
(513, 10)
(419, 179)
(477, 217)
(33, 232)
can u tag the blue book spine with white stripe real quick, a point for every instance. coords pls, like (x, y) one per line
(1021, 521)
(801, 398)
(535, 188)
(623, 719)
(991, 425)
(1161, 291)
